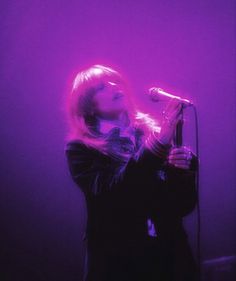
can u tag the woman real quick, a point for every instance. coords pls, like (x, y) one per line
(137, 185)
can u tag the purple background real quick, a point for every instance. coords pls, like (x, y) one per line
(186, 47)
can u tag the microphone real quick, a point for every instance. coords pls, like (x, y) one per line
(157, 94)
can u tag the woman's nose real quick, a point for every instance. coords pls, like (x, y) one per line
(118, 95)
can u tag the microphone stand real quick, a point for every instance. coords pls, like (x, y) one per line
(178, 136)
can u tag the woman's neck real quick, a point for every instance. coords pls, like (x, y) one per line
(105, 125)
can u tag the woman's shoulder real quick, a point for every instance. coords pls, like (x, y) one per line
(79, 148)
(77, 145)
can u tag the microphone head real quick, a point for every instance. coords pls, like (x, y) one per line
(158, 95)
(154, 94)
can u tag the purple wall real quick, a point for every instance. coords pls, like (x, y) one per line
(187, 47)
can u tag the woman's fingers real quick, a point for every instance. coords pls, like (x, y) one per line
(172, 104)
(172, 114)
(179, 150)
(181, 164)
(180, 157)
(179, 161)
(172, 107)
(186, 167)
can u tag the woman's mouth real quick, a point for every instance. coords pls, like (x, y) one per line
(118, 96)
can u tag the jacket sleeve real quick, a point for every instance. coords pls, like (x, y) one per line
(96, 173)
(180, 189)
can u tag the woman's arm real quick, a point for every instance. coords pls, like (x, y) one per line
(181, 189)
(96, 173)
(178, 193)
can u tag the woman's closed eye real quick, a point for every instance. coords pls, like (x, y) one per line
(118, 95)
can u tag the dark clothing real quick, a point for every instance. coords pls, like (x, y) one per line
(118, 245)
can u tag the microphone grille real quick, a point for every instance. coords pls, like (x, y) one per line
(154, 94)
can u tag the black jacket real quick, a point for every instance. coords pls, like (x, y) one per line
(118, 210)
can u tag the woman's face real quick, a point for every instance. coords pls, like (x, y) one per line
(111, 100)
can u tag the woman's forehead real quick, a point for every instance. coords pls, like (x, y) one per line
(111, 83)
(115, 82)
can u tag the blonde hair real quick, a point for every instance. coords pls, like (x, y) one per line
(83, 123)
(79, 105)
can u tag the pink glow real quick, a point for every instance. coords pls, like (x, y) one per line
(150, 122)
(185, 47)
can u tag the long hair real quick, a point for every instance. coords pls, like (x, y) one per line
(83, 123)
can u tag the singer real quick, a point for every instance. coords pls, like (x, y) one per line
(137, 185)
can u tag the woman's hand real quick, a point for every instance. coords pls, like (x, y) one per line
(180, 157)
(171, 116)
